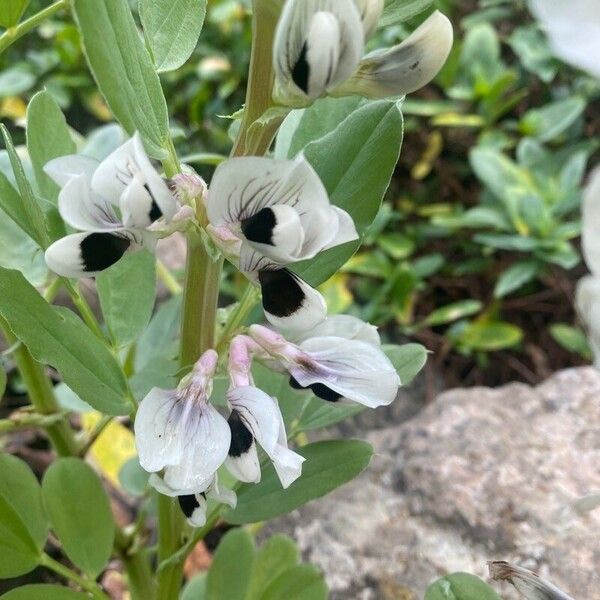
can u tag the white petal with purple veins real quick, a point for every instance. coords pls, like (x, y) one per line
(63, 168)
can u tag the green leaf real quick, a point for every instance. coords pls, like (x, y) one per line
(490, 337)
(571, 338)
(23, 525)
(550, 121)
(127, 292)
(43, 591)
(516, 276)
(230, 571)
(133, 478)
(195, 588)
(460, 586)
(398, 11)
(302, 582)
(328, 465)
(452, 312)
(12, 11)
(36, 225)
(355, 163)
(533, 50)
(3, 381)
(48, 137)
(79, 512)
(318, 413)
(123, 70)
(15, 81)
(408, 359)
(57, 337)
(172, 29)
(278, 554)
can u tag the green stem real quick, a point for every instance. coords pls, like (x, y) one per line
(86, 584)
(27, 420)
(170, 529)
(41, 394)
(167, 278)
(85, 310)
(137, 566)
(247, 302)
(12, 34)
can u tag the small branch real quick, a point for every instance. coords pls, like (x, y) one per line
(27, 420)
(167, 278)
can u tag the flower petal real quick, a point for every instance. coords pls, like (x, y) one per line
(61, 169)
(590, 223)
(87, 254)
(370, 13)
(159, 430)
(193, 506)
(343, 326)
(207, 440)
(587, 301)
(318, 44)
(344, 228)
(242, 460)
(353, 369)
(406, 67)
(289, 302)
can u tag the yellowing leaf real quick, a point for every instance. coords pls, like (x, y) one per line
(113, 447)
(13, 108)
(336, 293)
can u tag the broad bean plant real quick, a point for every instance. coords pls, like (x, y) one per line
(219, 397)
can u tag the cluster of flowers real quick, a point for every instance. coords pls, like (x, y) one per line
(264, 215)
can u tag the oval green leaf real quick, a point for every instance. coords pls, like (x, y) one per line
(80, 514)
(328, 465)
(43, 591)
(460, 586)
(302, 582)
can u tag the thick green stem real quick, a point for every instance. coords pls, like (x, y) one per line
(41, 394)
(170, 519)
(86, 584)
(12, 34)
(137, 566)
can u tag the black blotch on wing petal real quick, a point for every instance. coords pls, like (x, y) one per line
(282, 294)
(101, 250)
(241, 437)
(259, 227)
(188, 504)
(301, 70)
(318, 389)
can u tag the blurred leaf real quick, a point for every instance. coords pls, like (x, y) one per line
(460, 586)
(488, 337)
(452, 312)
(48, 137)
(516, 276)
(344, 161)
(172, 29)
(337, 293)
(123, 70)
(12, 11)
(15, 81)
(550, 121)
(23, 524)
(79, 511)
(328, 465)
(398, 11)
(3, 381)
(127, 292)
(195, 588)
(132, 478)
(571, 338)
(278, 554)
(301, 582)
(43, 591)
(229, 575)
(318, 413)
(408, 360)
(59, 338)
(397, 245)
(531, 46)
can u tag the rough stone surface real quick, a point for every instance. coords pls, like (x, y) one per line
(479, 474)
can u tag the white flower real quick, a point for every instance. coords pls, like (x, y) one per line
(334, 367)
(319, 45)
(193, 504)
(574, 30)
(255, 418)
(115, 202)
(180, 432)
(266, 214)
(345, 326)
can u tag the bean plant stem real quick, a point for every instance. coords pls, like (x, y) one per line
(167, 278)
(86, 584)
(12, 34)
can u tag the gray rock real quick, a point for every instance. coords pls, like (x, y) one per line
(479, 474)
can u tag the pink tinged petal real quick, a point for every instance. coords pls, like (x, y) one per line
(63, 168)
(355, 370)
(590, 233)
(406, 67)
(289, 302)
(82, 209)
(160, 429)
(206, 443)
(87, 254)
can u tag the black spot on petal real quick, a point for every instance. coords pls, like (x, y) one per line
(301, 70)
(282, 294)
(318, 389)
(101, 250)
(188, 504)
(241, 438)
(259, 227)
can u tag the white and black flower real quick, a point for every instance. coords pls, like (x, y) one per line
(181, 432)
(115, 203)
(255, 419)
(266, 214)
(319, 46)
(334, 368)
